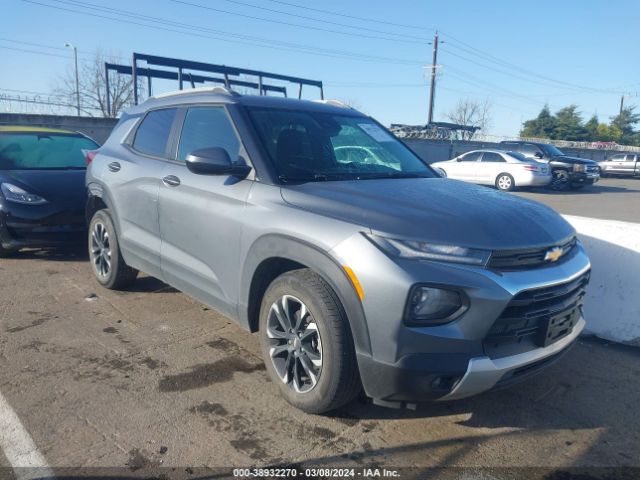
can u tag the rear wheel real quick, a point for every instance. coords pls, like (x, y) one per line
(107, 263)
(306, 343)
(504, 182)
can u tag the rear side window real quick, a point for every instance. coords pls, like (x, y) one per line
(631, 158)
(492, 157)
(154, 132)
(529, 149)
(208, 127)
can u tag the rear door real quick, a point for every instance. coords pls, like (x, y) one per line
(491, 164)
(201, 215)
(133, 180)
(616, 163)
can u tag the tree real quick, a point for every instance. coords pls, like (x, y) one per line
(625, 121)
(543, 126)
(471, 113)
(591, 127)
(568, 125)
(91, 79)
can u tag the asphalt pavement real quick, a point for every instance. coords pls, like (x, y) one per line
(149, 378)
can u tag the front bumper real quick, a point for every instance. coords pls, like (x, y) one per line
(582, 178)
(39, 226)
(484, 373)
(409, 364)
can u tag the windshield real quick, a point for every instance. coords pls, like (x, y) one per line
(551, 150)
(42, 150)
(312, 146)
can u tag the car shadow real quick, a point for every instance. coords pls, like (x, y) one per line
(70, 253)
(148, 284)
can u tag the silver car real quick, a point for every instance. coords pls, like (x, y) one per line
(380, 276)
(621, 164)
(504, 170)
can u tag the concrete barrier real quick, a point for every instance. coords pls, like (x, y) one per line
(612, 306)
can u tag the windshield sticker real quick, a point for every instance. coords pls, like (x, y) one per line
(375, 132)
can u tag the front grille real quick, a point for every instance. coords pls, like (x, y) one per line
(505, 260)
(536, 318)
(592, 169)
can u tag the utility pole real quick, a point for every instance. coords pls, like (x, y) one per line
(432, 91)
(75, 56)
(621, 103)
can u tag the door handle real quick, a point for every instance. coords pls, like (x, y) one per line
(171, 181)
(114, 167)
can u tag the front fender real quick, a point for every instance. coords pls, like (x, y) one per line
(290, 248)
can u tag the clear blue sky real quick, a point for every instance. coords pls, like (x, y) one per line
(582, 52)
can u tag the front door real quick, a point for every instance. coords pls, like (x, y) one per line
(200, 215)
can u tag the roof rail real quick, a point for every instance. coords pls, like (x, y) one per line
(222, 90)
(335, 103)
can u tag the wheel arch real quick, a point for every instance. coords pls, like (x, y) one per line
(275, 254)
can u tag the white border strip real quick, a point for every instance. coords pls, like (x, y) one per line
(18, 447)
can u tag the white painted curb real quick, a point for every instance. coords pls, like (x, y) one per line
(612, 306)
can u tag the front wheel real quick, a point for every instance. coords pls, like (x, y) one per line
(560, 180)
(306, 343)
(5, 252)
(107, 263)
(505, 182)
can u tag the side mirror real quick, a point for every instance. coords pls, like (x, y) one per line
(538, 155)
(214, 161)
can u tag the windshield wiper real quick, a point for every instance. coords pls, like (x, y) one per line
(316, 177)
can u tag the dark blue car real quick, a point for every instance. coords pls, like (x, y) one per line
(42, 193)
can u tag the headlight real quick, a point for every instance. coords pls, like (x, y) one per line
(430, 251)
(578, 168)
(18, 195)
(434, 306)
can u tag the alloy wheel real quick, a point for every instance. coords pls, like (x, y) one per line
(100, 249)
(295, 347)
(560, 180)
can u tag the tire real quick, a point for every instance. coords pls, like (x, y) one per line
(7, 252)
(559, 180)
(107, 263)
(505, 182)
(316, 369)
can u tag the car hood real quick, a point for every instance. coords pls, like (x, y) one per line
(65, 187)
(436, 210)
(577, 160)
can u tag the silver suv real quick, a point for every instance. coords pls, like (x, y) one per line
(364, 271)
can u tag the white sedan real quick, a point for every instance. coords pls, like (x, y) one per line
(504, 170)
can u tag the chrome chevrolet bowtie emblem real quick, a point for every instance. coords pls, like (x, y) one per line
(553, 254)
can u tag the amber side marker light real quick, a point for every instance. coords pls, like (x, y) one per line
(354, 281)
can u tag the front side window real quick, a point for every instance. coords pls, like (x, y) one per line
(470, 157)
(491, 157)
(317, 146)
(616, 158)
(208, 127)
(43, 151)
(154, 132)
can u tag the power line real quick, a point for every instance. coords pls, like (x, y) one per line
(24, 50)
(354, 17)
(280, 12)
(224, 36)
(41, 45)
(492, 58)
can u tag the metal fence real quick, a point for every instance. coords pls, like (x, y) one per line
(424, 133)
